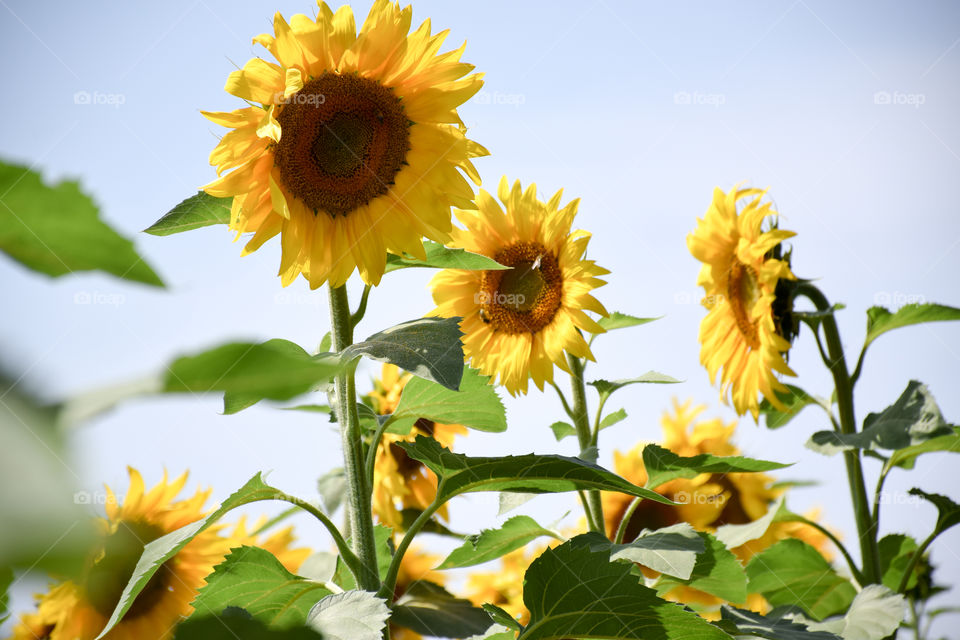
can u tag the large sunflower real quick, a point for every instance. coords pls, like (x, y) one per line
(79, 610)
(518, 323)
(399, 481)
(352, 146)
(741, 337)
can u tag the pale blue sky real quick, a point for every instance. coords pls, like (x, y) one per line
(638, 108)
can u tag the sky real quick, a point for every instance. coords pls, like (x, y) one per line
(846, 112)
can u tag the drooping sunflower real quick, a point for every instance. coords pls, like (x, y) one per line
(742, 337)
(399, 481)
(351, 146)
(519, 323)
(78, 610)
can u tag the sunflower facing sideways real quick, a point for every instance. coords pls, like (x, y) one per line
(351, 146)
(743, 337)
(79, 610)
(520, 322)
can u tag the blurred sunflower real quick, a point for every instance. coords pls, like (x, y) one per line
(279, 543)
(518, 323)
(707, 501)
(80, 610)
(416, 565)
(744, 335)
(399, 481)
(504, 587)
(352, 146)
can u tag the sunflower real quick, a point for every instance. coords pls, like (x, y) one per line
(416, 565)
(351, 146)
(743, 334)
(707, 501)
(79, 610)
(517, 323)
(399, 481)
(280, 543)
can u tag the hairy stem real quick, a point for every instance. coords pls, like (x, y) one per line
(581, 422)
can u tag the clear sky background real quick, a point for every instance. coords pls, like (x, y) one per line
(846, 111)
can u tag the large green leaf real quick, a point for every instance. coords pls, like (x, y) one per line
(441, 257)
(881, 320)
(276, 369)
(476, 405)
(913, 419)
(351, 615)
(896, 550)
(617, 320)
(200, 210)
(162, 549)
(252, 578)
(234, 623)
(572, 591)
(431, 610)
(791, 572)
(490, 544)
(57, 230)
(794, 400)
(717, 571)
(734, 535)
(874, 614)
(670, 550)
(663, 465)
(906, 457)
(606, 387)
(773, 627)
(426, 347)
(531, 473)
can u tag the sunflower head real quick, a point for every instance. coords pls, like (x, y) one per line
(744, 337)
(400, 482)
(351, 146)
(520, 322)
(280, 543)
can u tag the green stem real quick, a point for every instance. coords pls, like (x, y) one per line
(914, 559)
(837, 365)
(857, 575)
(372, 451)
(357, 315)
(581, 422)
(358, 491)
(625, 521)
(390, 580)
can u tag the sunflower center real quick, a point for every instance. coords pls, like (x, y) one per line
(344, 139)
(107, 578)
(743, 292)
(523, 299)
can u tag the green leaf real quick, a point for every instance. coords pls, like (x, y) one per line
(252, 578)
(162, 549)
(441, 257)
(332, 487)
(663, 465)
(351, 615)
(426, 347)
(510, 500)
(734, 535)
(57, 230)
(613, 418)
(383, 543)
(948, 511)
(875, 614)
(502, 617)
(794, 400)
(276, 369)
(607, 387)
(431, 610)
(670, 550)
(495, 632)
(572, 591)
(717, 571)
(911, 420)
(562, 430)
(791, 572)
(772, 627)
(529, 473)
(310, 408)
(476, 405)
(234, 623)
(906, 457)
(881, 320)
(617, 320)
(490, 544)
(200, 210)
(895, 552)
